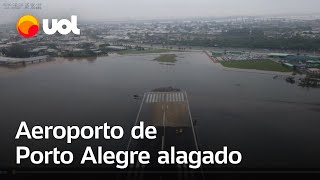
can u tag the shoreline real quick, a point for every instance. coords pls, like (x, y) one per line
(140, 54)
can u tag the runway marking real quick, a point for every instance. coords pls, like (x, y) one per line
(144, 95)
(153, 97)
(163, 97)
(191, 121)
(148, 98)
(156, 98)
(162, 143)
(164, 128)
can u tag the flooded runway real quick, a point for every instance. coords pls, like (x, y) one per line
(272, 123)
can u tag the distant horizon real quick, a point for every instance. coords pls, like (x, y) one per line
(125, 10)
(124, 19)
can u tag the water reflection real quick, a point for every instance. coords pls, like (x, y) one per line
(89, 59)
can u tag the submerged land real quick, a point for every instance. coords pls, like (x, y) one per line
(166, 58)
(143, 51)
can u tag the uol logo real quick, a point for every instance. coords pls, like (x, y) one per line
(28, 26)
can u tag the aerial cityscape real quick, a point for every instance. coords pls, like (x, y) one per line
(215, 86)
(263, 43)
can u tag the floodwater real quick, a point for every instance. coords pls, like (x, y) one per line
(272, 123)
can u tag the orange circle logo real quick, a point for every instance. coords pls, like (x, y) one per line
(28, 26)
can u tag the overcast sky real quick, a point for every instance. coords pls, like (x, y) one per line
(151, 9)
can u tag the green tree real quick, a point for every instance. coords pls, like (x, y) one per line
(17, 51)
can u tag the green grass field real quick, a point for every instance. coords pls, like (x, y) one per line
(166, 58)
(264, 65)
(133, 51)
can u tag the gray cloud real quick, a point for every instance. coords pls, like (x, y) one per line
(149, 9)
